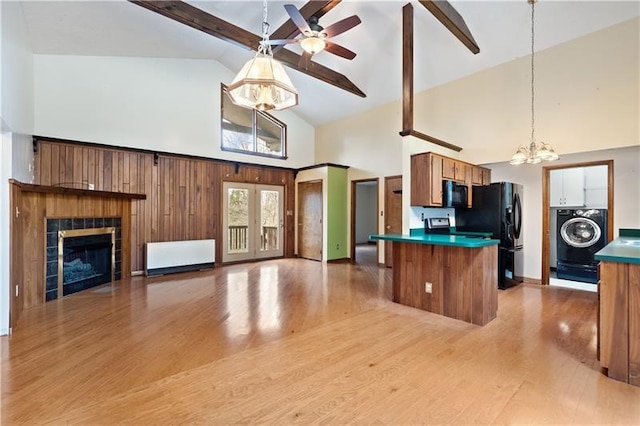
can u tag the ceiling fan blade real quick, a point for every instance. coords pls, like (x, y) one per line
(338, 50)
(282, 41)
(297, 18)
(191, 16)
(305, 59)
(311, 8)
(342, 26)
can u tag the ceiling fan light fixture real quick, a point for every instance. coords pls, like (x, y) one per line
(262, 83)
(313, 44)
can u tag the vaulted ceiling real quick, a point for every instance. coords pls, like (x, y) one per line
(500, 28)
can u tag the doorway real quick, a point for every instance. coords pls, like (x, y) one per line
(310, 220)
(364, 220)
(558, 199)
(253, 221)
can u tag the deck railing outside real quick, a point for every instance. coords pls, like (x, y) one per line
(238, 239)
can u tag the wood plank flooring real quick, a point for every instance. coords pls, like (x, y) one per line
(297, 341)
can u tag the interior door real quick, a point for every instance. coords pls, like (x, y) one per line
(253, 221)
(310, 220)
(393, 214)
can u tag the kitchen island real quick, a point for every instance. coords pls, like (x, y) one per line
(451, 275)
(619, 307)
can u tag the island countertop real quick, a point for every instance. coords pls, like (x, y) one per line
(438, 239)
(624, 249)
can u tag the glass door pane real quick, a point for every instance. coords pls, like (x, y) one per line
(238, 220)
(271, 220)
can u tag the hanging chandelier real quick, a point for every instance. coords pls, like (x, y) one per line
(262, 83)
(535, 152)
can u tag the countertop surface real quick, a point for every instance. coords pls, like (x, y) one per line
(624, 249)
(468, 241)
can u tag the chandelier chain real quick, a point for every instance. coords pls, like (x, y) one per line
(534, 153)
(264, 46)
(533, 115)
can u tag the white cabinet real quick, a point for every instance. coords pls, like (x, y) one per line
(566, 188)
(596, 187)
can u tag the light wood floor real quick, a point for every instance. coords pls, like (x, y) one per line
(297, 341)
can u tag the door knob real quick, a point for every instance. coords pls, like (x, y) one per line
(388, 226)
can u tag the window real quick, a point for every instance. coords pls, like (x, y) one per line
(251, 131)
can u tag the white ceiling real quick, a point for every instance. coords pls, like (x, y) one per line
(501, 29)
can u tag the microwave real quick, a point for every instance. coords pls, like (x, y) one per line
(454, 194)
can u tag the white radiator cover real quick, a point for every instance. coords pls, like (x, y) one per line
(179, 256)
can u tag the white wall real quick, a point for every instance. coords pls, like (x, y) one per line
(16, 123)
(22, 158)
(170, 105)
(5, 170)
(626, 165)
(587, 93)
(16, 107)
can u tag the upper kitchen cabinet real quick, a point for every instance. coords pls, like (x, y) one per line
(566, 188)
(453, 169)
(426, 180)
(428, 170)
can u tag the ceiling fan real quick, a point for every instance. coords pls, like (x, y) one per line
(315, 37)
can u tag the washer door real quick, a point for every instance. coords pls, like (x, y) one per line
(580, 232)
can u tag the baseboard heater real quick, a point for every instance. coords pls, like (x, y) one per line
(179, 256)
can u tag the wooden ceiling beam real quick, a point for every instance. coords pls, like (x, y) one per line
(451, 19)
(193, 17)
(407, 83)
(312, 8)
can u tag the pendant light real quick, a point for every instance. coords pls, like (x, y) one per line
(262, 83)
(535, 152)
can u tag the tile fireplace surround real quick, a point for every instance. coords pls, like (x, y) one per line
(68, 224)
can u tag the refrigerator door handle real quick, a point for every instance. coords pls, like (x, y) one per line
(517, 214)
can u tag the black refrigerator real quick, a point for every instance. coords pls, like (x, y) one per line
(497, 208)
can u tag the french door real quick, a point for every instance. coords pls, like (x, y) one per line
(253, 221)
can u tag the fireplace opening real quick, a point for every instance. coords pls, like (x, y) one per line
(86, 261)
(96, 231)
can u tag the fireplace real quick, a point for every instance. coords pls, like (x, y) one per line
(81, 253)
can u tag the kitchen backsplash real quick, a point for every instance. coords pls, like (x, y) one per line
(417, 215)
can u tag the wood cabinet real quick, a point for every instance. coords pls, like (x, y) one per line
(426, 180)
(453, 169)
(566, 188)
(463, 280)
(428, 170)
(619, 321)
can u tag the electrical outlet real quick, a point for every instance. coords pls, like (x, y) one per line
(17, 290)
(428, 287)
(337, 246)
(91, 186)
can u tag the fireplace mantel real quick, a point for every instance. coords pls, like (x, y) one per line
(45, 189)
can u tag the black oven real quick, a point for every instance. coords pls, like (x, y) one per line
(454, 194)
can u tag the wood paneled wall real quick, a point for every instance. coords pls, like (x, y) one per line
(184, 194)
(464, 280)
(28, 237)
